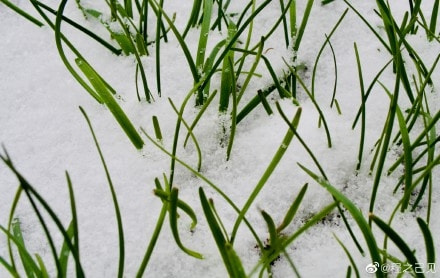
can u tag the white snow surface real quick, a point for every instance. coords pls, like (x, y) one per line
(45, 134)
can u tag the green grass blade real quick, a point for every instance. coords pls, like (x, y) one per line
(74, 223)
(273, 235)
(228, 76)
(65, 251)
(28, 265)
(153, 240)
(173, 224)
(237, 266)
(114, 199)
(204, 33)
(157, 130)
(293, 209)
(194, 17)
(216, 232)
(429, 242)
(252, 69)
(111, 103)
(196, 143)
(165, 196)
(408, 158)
(267, 173)
(234, 109)
(9, 267)
(264, 102)
(400, 243)
(303, 24)
(388, 128)
(22, 13)
(434, 15)
(44, 273)
(350, 257)
(363, 111)
(199, 115)
(312, 98)
(157, 46)
(357, 216)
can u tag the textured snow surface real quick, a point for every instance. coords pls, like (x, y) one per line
(45, 134)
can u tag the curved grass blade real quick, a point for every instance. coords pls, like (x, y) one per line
(173, 224)
(165, 196)
(196, 143)
(114, 199)
(429, 242)
(400, 243)
(312, 98)
(408, 158)
(352, 262)
(357, 216)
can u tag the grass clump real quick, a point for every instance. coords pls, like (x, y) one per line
(226, 65)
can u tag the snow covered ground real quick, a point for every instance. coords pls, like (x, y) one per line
(45, 134)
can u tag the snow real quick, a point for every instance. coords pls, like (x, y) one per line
(45, 134)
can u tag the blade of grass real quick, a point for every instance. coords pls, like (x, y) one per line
(267, 173)
(429, 242)
(28, 265)
(293, 209)
(363, 111)
(357, 216)
(22, 13)
(173, 224)
(121, 242)
(203, 40)
(111, 103)
(400, 243)
(232, 266)
(352, 262)
(234, 109)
